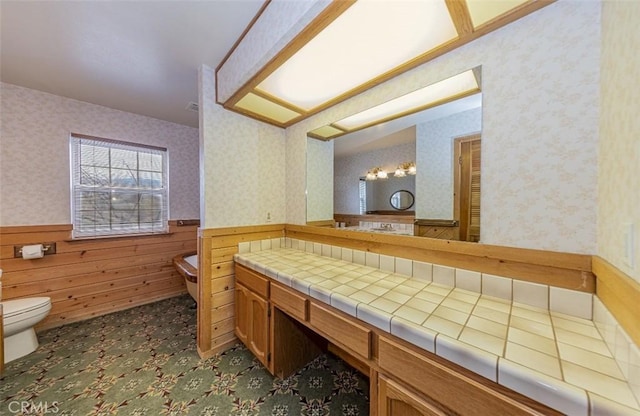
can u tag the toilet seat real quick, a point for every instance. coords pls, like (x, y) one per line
(13, 309)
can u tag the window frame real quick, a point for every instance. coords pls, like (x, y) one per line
(122, 227)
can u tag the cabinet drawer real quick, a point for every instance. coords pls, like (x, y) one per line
(252, 280)
(341, 331)
(290, 302)
(445, 385)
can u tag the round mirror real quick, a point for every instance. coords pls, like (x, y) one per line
(401, 200)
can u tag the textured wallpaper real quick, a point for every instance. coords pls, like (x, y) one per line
(276, 27)
(320, 179)
(348, 171)
(34, 156)
(619, 158)
(434, 148)
(540, 122)
(243, 164)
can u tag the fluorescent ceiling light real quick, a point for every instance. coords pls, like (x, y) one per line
(446, 90)
(369, 39)
(482, 11)
(264, 107)
(352, 46)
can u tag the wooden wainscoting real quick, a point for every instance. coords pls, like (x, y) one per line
(566, 270)
(442, 229)
(620, 294)
(217, 281)
(92, 277)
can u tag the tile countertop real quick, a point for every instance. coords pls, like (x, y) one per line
(557, 359)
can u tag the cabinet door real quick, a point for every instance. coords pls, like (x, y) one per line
(396, 400)
(242, 314)
(259, 327)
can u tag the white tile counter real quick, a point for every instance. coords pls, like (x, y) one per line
(548, 348)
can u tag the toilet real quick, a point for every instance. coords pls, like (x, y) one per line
(19, 318)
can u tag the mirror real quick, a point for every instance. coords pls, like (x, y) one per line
(436, 138)
(401, 200)
(382, 196)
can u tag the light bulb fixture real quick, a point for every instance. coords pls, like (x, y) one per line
(376, 173)
(404, 169)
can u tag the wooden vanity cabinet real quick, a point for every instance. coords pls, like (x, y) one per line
(252, 313)
(395, 399)
(286, 329)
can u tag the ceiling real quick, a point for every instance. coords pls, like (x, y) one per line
(136, 56)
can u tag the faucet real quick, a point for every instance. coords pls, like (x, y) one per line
(387, 226)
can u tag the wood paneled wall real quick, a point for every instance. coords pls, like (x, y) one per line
(92, 277)
(216, 282)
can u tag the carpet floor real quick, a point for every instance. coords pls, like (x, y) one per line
(143, 361)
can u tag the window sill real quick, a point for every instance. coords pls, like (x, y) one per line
(117, 237)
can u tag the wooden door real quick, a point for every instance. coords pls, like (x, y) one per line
(396, 400)
(467, 155)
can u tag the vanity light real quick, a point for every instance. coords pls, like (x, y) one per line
(404, 169)
(376, 173)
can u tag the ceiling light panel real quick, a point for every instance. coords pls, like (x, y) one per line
(266, 108)
(455, 86)
(360, 45)
(482, 11)
(326, 131)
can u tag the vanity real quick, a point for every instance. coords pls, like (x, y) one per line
(296, 299)
(285, 329)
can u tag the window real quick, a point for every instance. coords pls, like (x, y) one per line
(117, 188)
(363, 196)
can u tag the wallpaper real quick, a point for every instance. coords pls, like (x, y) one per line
(276, 27)
(540, 127)
(243, 164)
(349, 170)
(320, 179)
(619, 157)
(434, 148)
(34, 161)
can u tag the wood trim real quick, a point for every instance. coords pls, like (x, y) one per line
(322, 223)
(566, 270)
(461, 18)
(22, 229)
(436, 223)
(245, 229)
(620, 294)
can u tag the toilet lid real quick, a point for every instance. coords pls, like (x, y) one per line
(17, 306)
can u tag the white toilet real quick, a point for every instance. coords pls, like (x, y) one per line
(20, 316)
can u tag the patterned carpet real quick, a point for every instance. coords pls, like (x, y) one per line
(143, 361)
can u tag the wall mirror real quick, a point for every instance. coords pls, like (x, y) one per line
(441, 134)
(401, 200)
